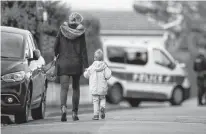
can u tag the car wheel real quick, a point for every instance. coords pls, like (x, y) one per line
(39, 113)
(134, 102)
(22, 117)
(177, 96)
(115, 94)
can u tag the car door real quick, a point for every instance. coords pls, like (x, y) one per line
(137, 67)
(36, 96)
(41, 74)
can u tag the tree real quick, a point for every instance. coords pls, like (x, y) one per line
(20, 14)
(28, 15)
(183, 19)
(57, 13)
(92, 26)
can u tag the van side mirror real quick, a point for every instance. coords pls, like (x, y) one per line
(172, 65)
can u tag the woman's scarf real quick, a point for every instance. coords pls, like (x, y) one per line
(71, 33)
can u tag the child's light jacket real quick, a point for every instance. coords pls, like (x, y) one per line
(98, 74)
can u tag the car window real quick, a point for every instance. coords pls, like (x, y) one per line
(27, 50)
(32, 41)
(136, 56)
(12, 45)
(31, 48)
(116, 54)
(161, 58)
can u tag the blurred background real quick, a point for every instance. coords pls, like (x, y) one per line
(182, 24)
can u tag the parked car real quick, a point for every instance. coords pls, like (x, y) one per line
(23, 82)
(144, 71)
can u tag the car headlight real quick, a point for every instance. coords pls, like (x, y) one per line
(14, 77)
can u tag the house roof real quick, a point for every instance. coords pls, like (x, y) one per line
(122, 21)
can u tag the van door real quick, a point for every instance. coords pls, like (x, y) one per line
(137, 69)
(163, 69)
(115, 58)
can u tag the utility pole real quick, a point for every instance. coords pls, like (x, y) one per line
(39, 10)
(41, 21)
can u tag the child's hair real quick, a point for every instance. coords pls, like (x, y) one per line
(99, 52)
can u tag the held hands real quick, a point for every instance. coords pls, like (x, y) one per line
(55, 58)
(86, 69)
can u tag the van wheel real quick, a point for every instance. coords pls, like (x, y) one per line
(115, 94)
(39, 113)
(177, 96)
(134, 102)
(22, 117)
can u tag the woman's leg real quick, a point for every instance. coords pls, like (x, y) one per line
(75, 96)
(64, 80)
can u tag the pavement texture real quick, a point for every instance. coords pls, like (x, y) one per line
(149, 118)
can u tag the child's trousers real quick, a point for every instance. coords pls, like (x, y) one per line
(99, 101)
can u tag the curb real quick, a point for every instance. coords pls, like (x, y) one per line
(87, 109)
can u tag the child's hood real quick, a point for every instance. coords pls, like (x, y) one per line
(99, 65)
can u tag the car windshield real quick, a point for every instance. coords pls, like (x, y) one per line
(11, 45)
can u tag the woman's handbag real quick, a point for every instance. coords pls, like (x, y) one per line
(51, 70)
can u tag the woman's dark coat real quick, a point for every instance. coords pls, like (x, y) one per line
(72, 57)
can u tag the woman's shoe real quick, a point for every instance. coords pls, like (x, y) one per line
(75, 116)
(64, 114)
(102, 113)
(96, 117)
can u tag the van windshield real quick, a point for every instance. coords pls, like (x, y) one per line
(11, 45)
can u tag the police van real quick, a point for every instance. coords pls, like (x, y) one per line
(144, 71)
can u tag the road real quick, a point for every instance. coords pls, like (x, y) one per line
(149, 118)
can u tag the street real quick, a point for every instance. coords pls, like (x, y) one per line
(149, 118)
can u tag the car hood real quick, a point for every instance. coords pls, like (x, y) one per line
(12, 65)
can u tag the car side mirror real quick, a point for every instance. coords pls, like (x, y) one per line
(28, 55)
(36, 54)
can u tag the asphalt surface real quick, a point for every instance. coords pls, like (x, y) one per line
(149, 118)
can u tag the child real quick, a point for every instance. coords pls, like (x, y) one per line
(98, 74)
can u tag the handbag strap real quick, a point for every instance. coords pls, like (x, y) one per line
(53, 63)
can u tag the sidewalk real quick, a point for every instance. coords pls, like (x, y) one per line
(53, 95)
(85, 106)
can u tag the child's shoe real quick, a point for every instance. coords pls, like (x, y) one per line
(96, 117)
(102, 113)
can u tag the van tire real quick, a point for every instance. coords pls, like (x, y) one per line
(177, 96)
(115, 94)
(134, 102)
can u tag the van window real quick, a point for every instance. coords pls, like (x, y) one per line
(137, 56)
(161, 58)
(116, 54)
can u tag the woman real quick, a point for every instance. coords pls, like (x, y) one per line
(70, 45)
